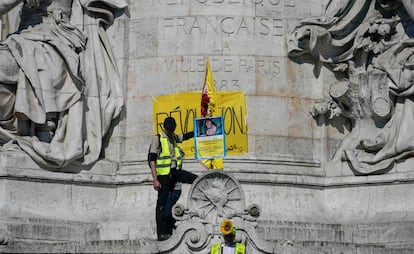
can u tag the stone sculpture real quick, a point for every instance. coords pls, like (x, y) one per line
(213, 197)
(368, 44)
(59, 84)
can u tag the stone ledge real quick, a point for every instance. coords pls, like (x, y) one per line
(18, 166)
(391, 234)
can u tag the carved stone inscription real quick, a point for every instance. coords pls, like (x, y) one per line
(229, 72)
(270, 65)
(229, 25)
(243, 39)
(243, 27)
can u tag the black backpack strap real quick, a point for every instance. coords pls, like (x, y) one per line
(159, 142)
(159, 148)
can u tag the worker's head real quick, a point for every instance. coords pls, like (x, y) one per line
(228, 230)
(169, 124)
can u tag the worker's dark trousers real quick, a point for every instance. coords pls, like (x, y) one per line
(165, 221)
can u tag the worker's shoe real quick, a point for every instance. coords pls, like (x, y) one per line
(163, 237)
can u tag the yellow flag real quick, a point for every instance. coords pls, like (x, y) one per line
(209, 105)
(209, 108)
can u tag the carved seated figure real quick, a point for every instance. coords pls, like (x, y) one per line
(42, 62)
(369, 45)
(49, 108)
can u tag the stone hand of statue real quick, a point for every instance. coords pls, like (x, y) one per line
(32, 3)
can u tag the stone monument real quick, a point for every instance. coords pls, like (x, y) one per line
(328, 98)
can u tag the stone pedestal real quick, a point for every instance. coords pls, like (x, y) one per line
(307, 204)
(104, 209)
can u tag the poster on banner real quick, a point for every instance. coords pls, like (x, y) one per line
(209, 138)
(185, 107)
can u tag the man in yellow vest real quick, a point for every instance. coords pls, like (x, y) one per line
(166, 169)
(228, 230)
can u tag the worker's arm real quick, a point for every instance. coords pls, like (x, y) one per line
(153, 155)
(188, 135)
(155, 182)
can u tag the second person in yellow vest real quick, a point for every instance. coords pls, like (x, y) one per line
(230, 246)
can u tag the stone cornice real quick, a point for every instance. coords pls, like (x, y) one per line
(278, 173)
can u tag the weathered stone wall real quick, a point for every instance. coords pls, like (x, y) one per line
(161, 46)
(246, 43)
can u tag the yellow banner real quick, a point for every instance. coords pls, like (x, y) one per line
(184, 107)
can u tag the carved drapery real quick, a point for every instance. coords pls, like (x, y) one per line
(59, 82)
(369, 44)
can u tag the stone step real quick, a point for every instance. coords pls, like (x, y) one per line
(39, 246)
(401, 233)
(38, 235)
(352, 248)
(139, 246)
(38, 229)
(115, 246)
(136, 246)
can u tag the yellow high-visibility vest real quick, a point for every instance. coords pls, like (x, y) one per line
(216, 249)
(163, 165)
